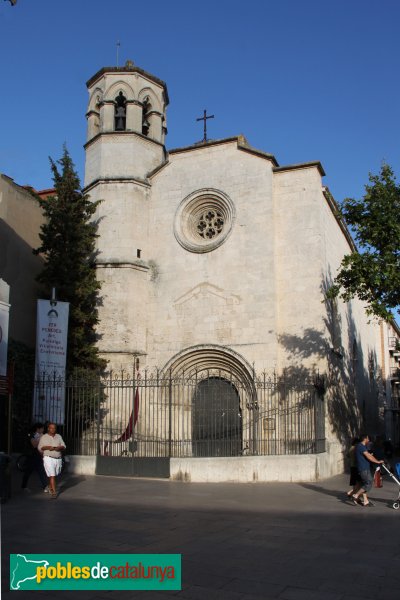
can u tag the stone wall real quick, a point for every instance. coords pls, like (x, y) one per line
(226, 296)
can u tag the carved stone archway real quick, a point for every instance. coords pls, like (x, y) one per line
(205, 360)
(223, 398)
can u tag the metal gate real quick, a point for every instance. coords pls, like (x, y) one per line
(135, 423)
(216, 419)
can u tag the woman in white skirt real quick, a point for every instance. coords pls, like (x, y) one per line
(51, 445)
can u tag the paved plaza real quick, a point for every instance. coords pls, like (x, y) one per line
(238, 541)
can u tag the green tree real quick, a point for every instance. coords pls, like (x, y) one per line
(373, 274)
(68, 240)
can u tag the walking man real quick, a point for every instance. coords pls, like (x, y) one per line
(52, 445)
(364, 458)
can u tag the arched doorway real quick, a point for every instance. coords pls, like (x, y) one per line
(216, 419)
(222, 403)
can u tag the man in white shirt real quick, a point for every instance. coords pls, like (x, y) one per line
(52, 445)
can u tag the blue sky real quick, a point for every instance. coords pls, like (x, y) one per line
(304, 80)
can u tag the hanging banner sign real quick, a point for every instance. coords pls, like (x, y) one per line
(51, 355)
(4, 316)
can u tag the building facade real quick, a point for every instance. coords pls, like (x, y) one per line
(20, 220)
(213, 257)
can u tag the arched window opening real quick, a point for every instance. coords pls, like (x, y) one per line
(120, 112)
(216, 419)
(145, 117)
(97, 110)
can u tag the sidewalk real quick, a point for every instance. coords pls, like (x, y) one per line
(238, 541)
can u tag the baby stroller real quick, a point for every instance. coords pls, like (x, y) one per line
(396, 503)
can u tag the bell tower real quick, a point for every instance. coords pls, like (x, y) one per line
(126, 128)
(126, 123)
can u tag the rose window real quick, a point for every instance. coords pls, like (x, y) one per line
(204, 220)
(210, 224)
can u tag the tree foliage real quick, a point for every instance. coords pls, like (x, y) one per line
(373, 274)
(68, 241)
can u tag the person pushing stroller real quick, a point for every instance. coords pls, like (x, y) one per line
(364, 458)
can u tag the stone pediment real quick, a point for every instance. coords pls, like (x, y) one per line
(204, 291)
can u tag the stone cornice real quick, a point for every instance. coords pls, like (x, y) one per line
(245, 147)
(240, 140)
(133, 353)
(138, 265)
(306, 165)
(110, 180)
(128, 101)
(333, 205)
(202, 145)
(125, 70)
(121, 133)
(157, 169)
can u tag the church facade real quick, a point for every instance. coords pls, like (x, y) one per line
(215, 257)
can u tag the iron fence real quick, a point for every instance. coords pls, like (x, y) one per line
(201, 414)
